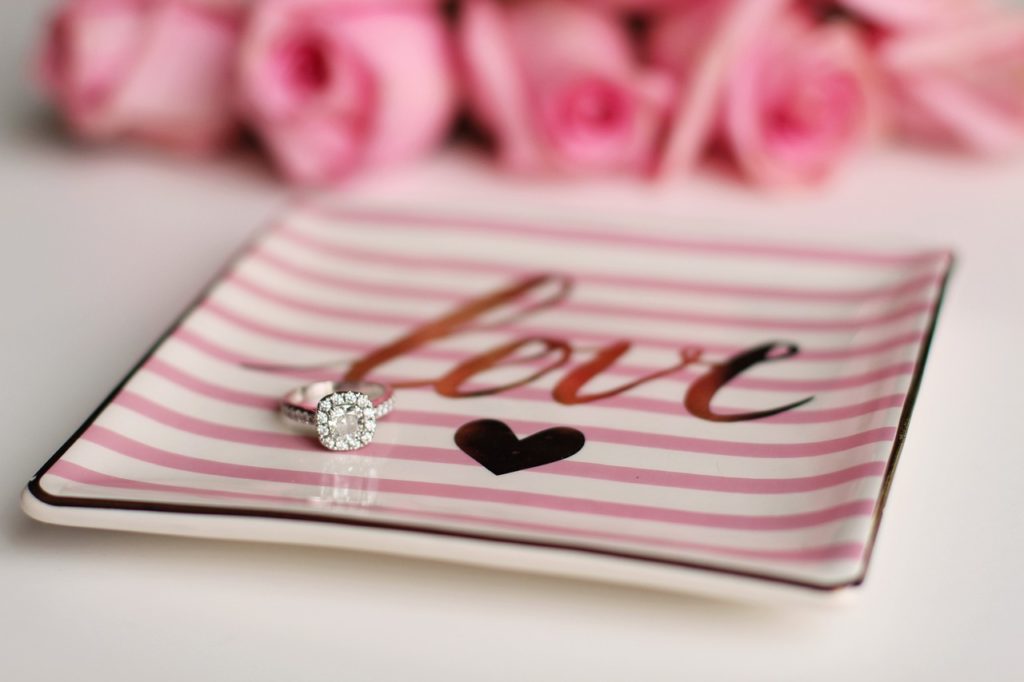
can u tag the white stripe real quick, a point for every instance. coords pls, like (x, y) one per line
(676, 333)
(824, 572)
(467, 285)
(167, 393)
(548, 253)
(410, 368)
(476, 285)
(134, 425)
(112, 463)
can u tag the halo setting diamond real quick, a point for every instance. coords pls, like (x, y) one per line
(345, 421)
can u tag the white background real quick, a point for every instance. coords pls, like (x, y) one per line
(101, 248)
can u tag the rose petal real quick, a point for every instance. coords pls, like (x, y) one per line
(799, 101)
(179, 91)
(960, 85)
(335, 85)
(495, 89)
(700, 42)
(90, 47)
(410, 57)
(559, 86)
(904, 14)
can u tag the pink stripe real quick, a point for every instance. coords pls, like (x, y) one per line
(214, 430)
(334, 342)
(333, 312)
(632, 371)
(349, 284)
(720, 484)
(848, 323)
(80, 474)
(333, 280)
(841, 353)
(620, 402)
(193, 383)
(801, 416)
(674, 345)
(853, 351)
(606, 472)
(630, 475)
(645, 439)
(662, 315)
(337, 343)
(136, 450)
(200, 427)
(478, 225)
(419, 262)
(417, 417)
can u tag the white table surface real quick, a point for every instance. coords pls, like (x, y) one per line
(102, 247)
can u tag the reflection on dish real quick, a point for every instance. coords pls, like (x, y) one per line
(348, 481)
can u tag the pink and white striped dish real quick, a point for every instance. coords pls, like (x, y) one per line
(191, 442)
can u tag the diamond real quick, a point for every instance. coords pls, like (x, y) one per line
(344, 423)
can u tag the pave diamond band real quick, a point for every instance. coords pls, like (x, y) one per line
(344, 413)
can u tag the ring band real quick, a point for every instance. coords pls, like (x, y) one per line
(344, 413)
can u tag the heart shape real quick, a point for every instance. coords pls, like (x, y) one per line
(495, 447)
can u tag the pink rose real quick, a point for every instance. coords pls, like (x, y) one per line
(159, 70)
(897, 14)
(636, 5)
(699, 42)
(960, 83)
(335, 85)
(559, 88)
(789, 99)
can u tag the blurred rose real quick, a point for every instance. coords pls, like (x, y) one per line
(635, 5)
(800, 100)
(558, 86)
(791, 99)
(159, 70)
(961, 84)
(336, 85)
(897, 14)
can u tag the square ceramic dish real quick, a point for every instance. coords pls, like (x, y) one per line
(740, 406)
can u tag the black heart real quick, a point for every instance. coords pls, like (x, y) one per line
(493, 444)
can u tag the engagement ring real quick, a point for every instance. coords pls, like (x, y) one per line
(344, 413)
